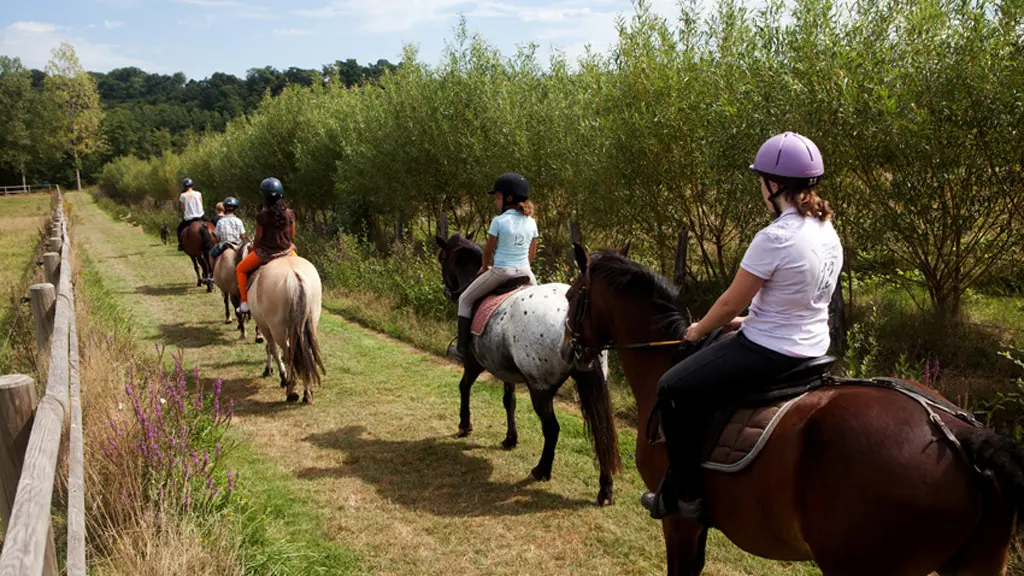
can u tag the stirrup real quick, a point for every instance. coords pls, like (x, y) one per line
(455, 353)
(661, 504)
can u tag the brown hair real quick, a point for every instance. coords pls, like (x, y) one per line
(808, 203)
(525, 207)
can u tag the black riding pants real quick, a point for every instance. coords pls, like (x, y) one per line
(691, 391)
(184, 223)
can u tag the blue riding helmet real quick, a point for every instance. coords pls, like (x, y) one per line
(272, 189)
(231, 202)
(186, 183)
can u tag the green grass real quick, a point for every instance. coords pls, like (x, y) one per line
(21, 220)
(371, 470)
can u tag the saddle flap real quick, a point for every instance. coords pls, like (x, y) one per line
(743, 436)
(486, 309)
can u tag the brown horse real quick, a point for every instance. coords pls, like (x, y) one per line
(854, 478)
(226, 279)
(285, 297)
(197, 241)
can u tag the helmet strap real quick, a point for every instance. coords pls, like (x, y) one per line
(773, 196)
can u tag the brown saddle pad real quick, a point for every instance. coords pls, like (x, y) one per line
(745, 434)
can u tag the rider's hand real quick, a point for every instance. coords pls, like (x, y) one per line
(694, 333)
(482, 270)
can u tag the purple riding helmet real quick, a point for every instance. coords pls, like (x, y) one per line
(791, 161)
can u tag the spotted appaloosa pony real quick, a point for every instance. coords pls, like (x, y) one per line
(522, 345)
(284, 299)
(225, 278)
(855, 478)
(197, 241)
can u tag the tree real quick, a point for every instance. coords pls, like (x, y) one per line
(73, 94)
(15, 113)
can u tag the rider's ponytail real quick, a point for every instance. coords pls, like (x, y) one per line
(525, 207)
(808, 203)
(278, 213)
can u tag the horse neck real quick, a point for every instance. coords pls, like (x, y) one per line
(635, 322)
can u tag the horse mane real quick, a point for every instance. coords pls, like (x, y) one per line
(457, 241)
(635, 281)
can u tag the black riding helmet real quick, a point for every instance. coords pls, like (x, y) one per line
(186, 183)
(271, 189)
(231, 203)
(512, 184)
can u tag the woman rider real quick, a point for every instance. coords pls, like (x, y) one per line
(275, 234)
(511, 240)
(787, 277)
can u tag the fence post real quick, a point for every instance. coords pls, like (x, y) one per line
(44, 304)
(837, 320)
(575, 237)
(51, 267)
(442, 225)
(54, 244)
(17, 402)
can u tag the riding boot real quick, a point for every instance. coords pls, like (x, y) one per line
(462, 342)
(682, 489)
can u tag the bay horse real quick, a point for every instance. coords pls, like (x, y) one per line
(284, 299)
(522, 344)
(197, 241)
(855, 478)
(227, 281)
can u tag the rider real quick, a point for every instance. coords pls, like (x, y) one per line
(512, 240)
(218, 210)
(789, 271)
(275, 234)
(230, 230)
(191, 202)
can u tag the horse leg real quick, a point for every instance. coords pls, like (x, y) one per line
(259, 336)
(470, 372)
(685, 545)
(509, 401)
(195, 266)
(227, 311)
(543, 405)
(236, 301)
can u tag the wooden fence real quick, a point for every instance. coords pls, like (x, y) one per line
(28, 189)
(30, 434)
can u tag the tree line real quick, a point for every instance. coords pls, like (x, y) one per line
(128, 111)
(916, 106)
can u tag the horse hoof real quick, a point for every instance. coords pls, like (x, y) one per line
(267, 372)
(227, 320)
(509, 443)
(293, 397)
(605, 499)
(463, 432)
(307, 397)
(284, 384)
(259, 339)
(540, 475)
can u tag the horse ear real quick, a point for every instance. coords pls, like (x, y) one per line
(441, 242)
(624, 251)
(581, 256)
(469, 236)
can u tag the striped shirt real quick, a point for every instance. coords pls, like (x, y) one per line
(230, 229)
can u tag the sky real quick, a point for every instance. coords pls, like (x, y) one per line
(199, 37)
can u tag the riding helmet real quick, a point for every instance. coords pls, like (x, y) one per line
(231, 202)
(790, 158)
(512, 184)
(271, 189)
(186, 183)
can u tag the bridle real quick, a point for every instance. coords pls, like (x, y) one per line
(581, 350)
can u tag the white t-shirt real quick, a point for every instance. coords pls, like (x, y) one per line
(193, 203)
(799, 259)
(514, 232)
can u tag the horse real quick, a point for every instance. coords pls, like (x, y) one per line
(521, 345)
(225, 278)
(858, 479)
(284, 299)
(165, 232)
(197, 241)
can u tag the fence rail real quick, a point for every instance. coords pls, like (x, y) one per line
(29, 189)
(28, 539)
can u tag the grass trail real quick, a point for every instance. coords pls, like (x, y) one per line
(373, 460)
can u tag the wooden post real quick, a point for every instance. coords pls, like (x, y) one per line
(837, 321)
(575, 237)
(17, 401)
(44, 300)
(55, 244)
(51, 267)
(682, 244)
(442, 225)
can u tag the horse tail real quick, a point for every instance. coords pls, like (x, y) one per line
(990, 451)
(205, 237)
(598, 418)
(303, 346)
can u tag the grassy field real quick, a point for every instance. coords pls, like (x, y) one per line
(21, 218)
(371, 473)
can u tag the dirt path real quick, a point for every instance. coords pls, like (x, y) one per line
(376, 454)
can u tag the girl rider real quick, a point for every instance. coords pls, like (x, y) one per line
(275, 234)
(511, 240)
(787, 277)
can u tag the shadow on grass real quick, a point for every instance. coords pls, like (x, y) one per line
(165, 290)
(432, 475)
(187, 335)
(127, 255)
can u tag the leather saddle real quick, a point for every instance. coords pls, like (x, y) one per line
(485, 307)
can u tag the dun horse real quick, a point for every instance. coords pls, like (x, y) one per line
(197, 241)
(855, 477)
(226, 279)
(284, 299)
(521, 345)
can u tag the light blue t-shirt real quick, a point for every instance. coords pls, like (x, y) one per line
(514, 231)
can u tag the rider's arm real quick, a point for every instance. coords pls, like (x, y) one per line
(291, 231)
(533, 250)
(742, 290)
(259, 236)
(492, 245)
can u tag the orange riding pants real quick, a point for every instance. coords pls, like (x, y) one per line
(243, 270)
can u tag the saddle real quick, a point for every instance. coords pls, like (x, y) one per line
(486, 306)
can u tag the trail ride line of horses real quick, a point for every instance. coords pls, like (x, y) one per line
(859, 479)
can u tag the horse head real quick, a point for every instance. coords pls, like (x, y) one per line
(460, 259)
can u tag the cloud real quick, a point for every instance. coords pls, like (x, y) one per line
(33, 27)
(391, 15)
(111, 24)
(238, 9)
(293, 32)
(33, 41)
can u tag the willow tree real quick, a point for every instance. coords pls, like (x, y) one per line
(71, 91)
